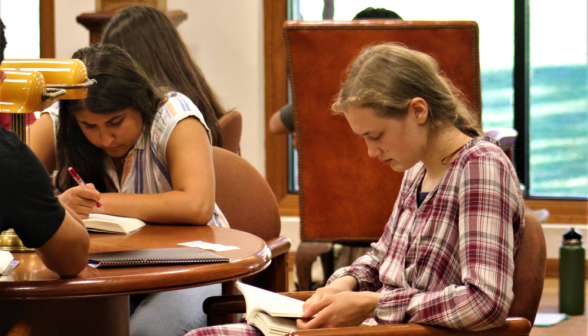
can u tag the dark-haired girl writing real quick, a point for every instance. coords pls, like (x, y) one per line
(148, 156)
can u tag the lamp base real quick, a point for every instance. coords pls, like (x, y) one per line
(10, 242)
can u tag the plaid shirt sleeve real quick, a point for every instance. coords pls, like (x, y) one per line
(366, 269)
(488, 202)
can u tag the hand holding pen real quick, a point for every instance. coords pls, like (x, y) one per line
(82, 184)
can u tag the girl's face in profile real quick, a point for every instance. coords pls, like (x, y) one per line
(399, 143)
(116, 133)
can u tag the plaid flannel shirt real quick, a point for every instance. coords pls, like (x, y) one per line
(449, 262)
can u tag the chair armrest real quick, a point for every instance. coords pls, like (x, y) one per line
(514, 326)
(278, 246)
(235, 304)
(222, 305)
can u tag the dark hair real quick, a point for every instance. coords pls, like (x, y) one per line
(376, 13)
(121, 83)
(2, 41)
(152, 40)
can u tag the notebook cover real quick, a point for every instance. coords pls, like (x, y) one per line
(180, 255)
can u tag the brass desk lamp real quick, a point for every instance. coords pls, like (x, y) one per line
(33, 85)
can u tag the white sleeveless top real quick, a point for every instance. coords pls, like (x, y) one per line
(145, 168)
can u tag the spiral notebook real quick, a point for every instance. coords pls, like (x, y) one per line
(180, 255)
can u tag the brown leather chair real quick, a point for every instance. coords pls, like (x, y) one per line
(249, 205)
(231, 126)
(528, 281)
(345, 196)
(506, 137)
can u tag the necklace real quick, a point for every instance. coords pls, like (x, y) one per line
(124, 158)
(450, 155)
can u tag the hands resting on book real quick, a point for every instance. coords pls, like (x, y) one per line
(338, 305)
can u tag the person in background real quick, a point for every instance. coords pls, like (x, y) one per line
(153, 41)
(446, 256)
(29, 206)
(282, 121)
(148, 155)
(5, 120)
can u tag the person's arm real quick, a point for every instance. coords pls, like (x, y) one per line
(487, 205)
(366, 269)
(67, 262)
(34, 212)
(189, 158)
(43, 141)
(349, 296)
(282, 121)
(276, 125)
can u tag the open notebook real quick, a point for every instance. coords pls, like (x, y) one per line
(112, 224)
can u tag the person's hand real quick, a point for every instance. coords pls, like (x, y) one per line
(344, 309)
(344, 284)
(72, 213)
(81, 201)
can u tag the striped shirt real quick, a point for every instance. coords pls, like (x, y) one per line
(449, 262)
(145, 169)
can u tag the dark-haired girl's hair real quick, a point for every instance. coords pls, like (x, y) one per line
(121, 83)
(150, 37)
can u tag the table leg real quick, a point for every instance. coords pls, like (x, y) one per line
(87, 316)
(229, 288)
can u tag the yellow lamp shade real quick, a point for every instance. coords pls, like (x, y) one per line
(22, 92)
(55, 72)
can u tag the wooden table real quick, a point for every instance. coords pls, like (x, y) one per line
(96, 302)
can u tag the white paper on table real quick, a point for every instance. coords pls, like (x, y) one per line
(549, 319)
(209, 246)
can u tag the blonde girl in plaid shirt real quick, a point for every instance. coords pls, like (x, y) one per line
(447, 259)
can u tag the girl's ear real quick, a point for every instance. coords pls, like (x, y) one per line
(419, 110)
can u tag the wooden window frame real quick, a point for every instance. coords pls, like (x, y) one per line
(47, 28)
(276, 146)
(275, 12)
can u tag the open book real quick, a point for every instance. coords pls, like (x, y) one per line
(112, 224)
(5, 259)
(271, 313)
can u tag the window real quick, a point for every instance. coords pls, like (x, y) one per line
(22, 32)
(496, 46)
(558, 82)
(558, 122)
(552, 149)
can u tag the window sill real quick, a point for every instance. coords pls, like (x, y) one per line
(560, 211)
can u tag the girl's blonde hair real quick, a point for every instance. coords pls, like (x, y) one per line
(388, 76)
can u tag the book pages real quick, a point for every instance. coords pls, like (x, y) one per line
(112, 224)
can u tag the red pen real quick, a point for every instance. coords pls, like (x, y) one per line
(82, 184)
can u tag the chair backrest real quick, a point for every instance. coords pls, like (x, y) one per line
(344, 194)
(231, 126)
(244, 196)
(529, 272)
(506, 137)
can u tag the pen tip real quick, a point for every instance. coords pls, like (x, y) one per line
(101, 209)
